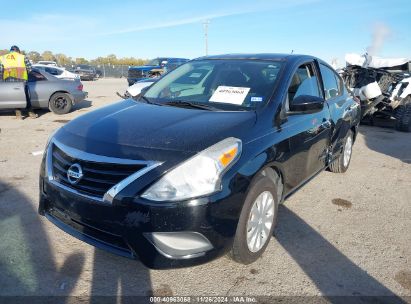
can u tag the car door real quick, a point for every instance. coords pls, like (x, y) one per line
(12, 95)
(39, 89)
(341, 105)
(309, 132)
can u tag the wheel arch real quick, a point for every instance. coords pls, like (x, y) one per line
(275, 174)
(354, 130)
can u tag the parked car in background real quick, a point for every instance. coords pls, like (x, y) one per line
(85, 71)
(153, 69)
(45, 91)
(45, 62)
(197, 165)
(135, 89)
(99, 73)
(57, 72)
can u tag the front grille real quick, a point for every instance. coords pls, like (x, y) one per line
(97, 178)
(135, 73)
(105, 240)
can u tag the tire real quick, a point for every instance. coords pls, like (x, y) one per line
(60, 103)
(341, 164)
(403, 116)
(241, 252)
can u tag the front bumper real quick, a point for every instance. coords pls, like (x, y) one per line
(127, 229)
(87, 76)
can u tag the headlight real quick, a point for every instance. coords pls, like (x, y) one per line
(199, 175)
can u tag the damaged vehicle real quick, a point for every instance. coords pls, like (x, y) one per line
(197, 165)
(382, 85)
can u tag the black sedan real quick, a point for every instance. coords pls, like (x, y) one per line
(197, 165)
(86, 72)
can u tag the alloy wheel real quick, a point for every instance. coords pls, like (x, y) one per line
(260, 221)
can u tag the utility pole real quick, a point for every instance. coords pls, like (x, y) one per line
(205, 24)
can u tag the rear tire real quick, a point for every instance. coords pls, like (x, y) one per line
(341, 164)
(60, 103)
(257, 221)
(403, 116)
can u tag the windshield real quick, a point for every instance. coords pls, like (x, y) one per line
(224, 84)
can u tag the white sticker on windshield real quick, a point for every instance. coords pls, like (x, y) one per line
(234, 95)
(257, 99)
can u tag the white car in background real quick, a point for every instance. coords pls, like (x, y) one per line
(57, 71)
(135, 89)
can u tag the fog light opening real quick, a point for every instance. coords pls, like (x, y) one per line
(179, 245)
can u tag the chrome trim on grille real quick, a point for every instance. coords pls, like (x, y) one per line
(96, 158)
(110, 194)
(113, 191)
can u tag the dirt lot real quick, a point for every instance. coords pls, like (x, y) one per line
(346, 234)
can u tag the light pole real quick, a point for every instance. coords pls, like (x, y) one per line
(205, 24)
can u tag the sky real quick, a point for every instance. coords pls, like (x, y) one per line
(147, 29)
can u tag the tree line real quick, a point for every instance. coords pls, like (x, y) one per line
(65, 60)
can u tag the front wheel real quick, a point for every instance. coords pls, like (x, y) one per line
(403, 116)
(257, 221)
(340, 165)
(60, 103)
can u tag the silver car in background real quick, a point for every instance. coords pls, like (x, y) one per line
(44, 90)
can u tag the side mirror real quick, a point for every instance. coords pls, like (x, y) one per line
(306, 104)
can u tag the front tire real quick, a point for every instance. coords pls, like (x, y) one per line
(403, 116)
(257, 221)
(60, 103)
(341, 164)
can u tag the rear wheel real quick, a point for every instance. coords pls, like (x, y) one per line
(60, 103)
(340, 165)
(403, 116)
(257, 221)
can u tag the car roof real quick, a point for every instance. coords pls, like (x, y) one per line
(260, 56)
(47, 66)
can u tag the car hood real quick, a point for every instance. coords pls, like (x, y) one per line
(137, 130)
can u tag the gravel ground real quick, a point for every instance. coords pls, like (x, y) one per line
(342, 234)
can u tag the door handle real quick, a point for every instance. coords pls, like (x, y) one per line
(17, 88)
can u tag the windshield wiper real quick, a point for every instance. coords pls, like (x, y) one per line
(146, 100)
(183, 103)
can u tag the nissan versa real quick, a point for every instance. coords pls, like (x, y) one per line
(196, 166)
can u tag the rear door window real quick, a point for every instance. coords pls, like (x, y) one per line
(36, 76)
(54, 71)
(332, 82)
